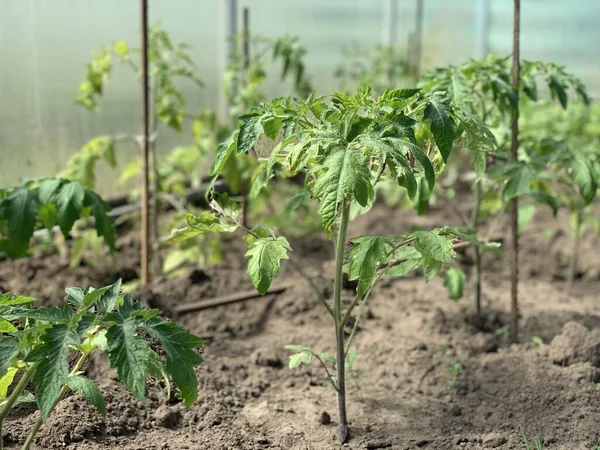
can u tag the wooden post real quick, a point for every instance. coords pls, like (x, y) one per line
(230, 28)
(514, 150)
(145, 234)
(418, 39)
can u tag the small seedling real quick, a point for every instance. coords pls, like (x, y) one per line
(344, 147)
(455, 369)
(37, 344)
(537, 443)
(537, 341)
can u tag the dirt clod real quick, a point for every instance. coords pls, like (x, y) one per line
(325, 418)
(576, 344)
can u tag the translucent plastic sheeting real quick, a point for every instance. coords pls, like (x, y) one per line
(44, 46)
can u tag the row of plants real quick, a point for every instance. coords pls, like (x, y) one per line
(347, 150)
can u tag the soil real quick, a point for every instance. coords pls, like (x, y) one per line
(427, 375)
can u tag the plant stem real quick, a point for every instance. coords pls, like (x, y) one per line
(514, 152)
(326, 370)
(574, 253)
(340, 244)
(38, 424)
(477, 268)
(13, 398)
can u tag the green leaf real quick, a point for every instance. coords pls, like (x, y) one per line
(248, 133)
(69, 201)
(518, 184)
(264, 256)
(526, 213)
(328, 357)
(9, 349)
(6, 381)
(48, 189)
(454, 281)
(9, 299)
(104, 225)
(442, 125)
(431, 268)
(224, 152)
(345, 175)
(179, 345)
(434, 246)
(47, 213)
(25, 397)
(304, 356)
(558, 89)
(365, 256)
(403, 268)
(127, 352)
(108, 299)
(419, 155)
(422, 197)
(6, 326)
(75, 296)
(88, 389)
(582, 174)
(53, 366)
(294, 202)
(20, 210)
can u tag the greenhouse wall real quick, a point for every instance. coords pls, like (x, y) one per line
(44, 46)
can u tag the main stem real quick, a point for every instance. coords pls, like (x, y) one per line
(514, 150)
(13, 398)
(574, 254)
(63, 391)
(340, 243)
(477, 249)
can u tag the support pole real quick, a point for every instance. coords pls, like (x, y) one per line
(230, 29)
(145, 229)
(418, 39)
(514, 151)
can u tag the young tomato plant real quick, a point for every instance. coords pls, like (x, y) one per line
(481, 88)
(344, 146)
(48, 202)
(37, 344)
(564, 145)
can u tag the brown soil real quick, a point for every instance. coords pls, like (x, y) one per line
(403, 392)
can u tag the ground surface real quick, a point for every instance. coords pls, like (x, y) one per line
(404, 393)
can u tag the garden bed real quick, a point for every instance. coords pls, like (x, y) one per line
(425, 376)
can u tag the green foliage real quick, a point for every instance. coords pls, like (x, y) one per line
(48, 202)
(82, 165)
(264, 255)
(40, 346)
(343, 147)
(454, 281)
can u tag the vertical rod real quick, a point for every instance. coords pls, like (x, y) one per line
(514, 148)
(230, 21)
(145, 233)
(483, 28)
(246, 78)
(389, 35)
(418, 39)
(246, 37)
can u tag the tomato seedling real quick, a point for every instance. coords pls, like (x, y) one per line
(344, 146)
(37, 344)
(48, 202)
(481, 88)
